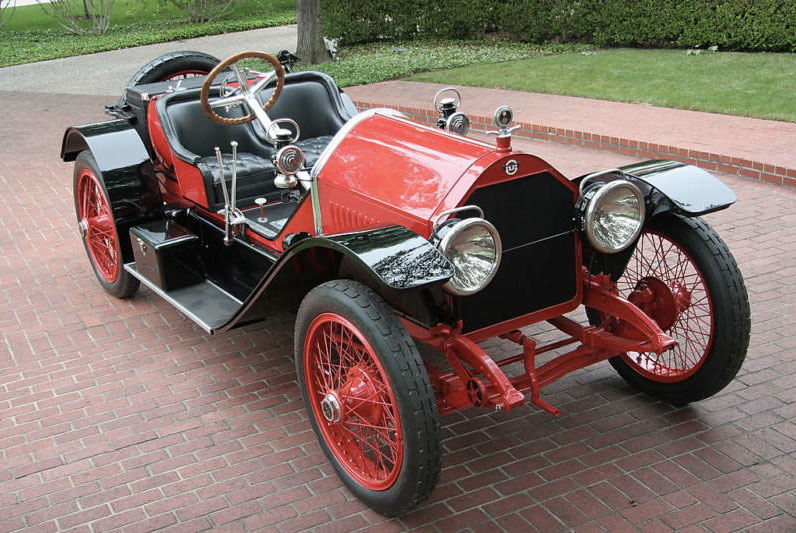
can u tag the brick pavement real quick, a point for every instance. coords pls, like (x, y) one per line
(124, 415)
(759, 149)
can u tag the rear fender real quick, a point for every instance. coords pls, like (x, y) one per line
(668, 186)
(394, 261)
(127, 172)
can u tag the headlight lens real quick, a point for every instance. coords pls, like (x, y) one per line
(614, 216)
(473, 246)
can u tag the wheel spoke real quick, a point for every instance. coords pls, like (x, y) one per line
(658, 256)
(99, 230)
(361, 426)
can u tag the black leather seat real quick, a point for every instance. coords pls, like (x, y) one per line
(255, 173)
(310, 98)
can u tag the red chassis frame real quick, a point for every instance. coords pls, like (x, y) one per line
(461, 388)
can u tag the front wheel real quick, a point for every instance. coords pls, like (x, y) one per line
(369, 398)
(682, 274)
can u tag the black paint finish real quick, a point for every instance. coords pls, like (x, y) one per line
(397, 256)
(127, 172)
(167, 254)
(534, 217)
(395, 261)
(691, 190)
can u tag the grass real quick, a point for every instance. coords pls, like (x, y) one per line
(378, 62)
(31, 35)
(754, 85)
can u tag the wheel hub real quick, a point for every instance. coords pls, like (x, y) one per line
(330, 407)
(663, 303)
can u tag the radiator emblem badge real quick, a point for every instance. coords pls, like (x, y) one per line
(511, 167)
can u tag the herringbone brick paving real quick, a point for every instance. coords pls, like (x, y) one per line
(124, 415)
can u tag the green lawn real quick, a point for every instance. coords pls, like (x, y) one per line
(756, 85)
(31, 35)
(384, 61)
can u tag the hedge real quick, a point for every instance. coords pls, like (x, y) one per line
(765, 25)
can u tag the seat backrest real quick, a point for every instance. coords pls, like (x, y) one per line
(312, 99)
(200, 135)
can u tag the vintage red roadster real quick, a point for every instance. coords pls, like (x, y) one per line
(236, 194)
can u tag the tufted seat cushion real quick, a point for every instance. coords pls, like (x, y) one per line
(255, 173)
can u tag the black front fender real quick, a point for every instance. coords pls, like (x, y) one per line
(668, 186)
(684, 189)
(394, 261)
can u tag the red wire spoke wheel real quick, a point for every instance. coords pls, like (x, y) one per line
(683, 276)
(97, 227)
(184, 74)
(664, 281)
(353, 401)
(368, 396)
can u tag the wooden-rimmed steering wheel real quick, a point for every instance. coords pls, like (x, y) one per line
(243, 93)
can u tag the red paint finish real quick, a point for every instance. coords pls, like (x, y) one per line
(415, 169)
(94, 213)
(192, 183)
(353, 402)
(159, 141)
(667, 284)
(454, 388)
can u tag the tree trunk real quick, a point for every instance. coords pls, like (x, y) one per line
(310, 46)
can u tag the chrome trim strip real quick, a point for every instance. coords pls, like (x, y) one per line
(327, 153)
(316, 206)
(435, 129)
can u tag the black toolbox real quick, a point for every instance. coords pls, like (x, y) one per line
(167, 254)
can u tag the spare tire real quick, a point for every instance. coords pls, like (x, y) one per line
(172, 66)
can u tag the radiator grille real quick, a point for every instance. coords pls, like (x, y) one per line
(534, 218)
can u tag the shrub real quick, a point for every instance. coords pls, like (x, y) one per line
(731, 24)
(80, 16)
(204, 10)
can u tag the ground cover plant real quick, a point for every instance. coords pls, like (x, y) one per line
(755, 85)
(375, 62)
(33, 36)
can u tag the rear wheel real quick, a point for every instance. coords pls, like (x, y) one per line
(682, 275)
(368, 396)
(97, 227)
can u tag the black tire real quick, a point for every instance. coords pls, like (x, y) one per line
(716, 325)
(170, 66)
(403, 390)
(105, 260)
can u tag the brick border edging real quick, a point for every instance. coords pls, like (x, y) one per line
(725, 164)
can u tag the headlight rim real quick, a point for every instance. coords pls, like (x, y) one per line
(457, 229)
(594, 202)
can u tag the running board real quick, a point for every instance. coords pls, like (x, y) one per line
(205, 302)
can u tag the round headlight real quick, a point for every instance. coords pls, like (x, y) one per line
(473, 246)
(290, 160)
(614, 216)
